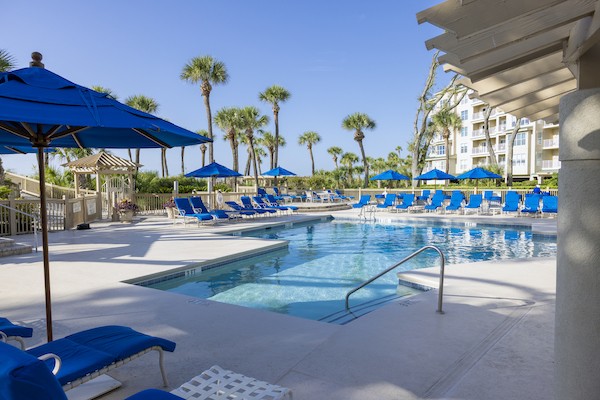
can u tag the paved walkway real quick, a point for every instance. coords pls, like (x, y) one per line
(495, 340)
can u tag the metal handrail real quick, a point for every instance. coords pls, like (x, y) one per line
(441, 288)
(34, 217)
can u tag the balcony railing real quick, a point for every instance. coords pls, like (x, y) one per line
(479, 150)
(481, 132)
(550, 164)
(550, 142)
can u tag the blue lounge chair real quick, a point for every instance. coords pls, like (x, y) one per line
(185, 209)
(241, 210)
(456, 201)
(424, 197)
(549, 205)
(389, 201)
(490, 197)
(262, 192)
(23, 376)
(278, 195)
(260, 203)
(200, 208)
(532, 204)
(273, 201)
(363, 201)
(407, 202)
(10, 331)
(436, 202)
(511, 202)
(474, 203)
(247, 204)
(344, 197)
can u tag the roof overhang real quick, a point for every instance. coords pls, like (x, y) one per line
(519, 55)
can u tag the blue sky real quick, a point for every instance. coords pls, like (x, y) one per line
(336, 57)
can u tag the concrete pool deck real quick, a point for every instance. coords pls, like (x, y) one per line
(495, 340)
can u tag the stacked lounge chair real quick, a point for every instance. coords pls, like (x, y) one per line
(388, 201)
(532, 204)
(436, 202)
(511, 202)
(456, 201)
(549, 205)
(407, 202)
(363, 201)
(474, 204)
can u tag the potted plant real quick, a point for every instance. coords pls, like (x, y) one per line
(170, 207)
(126, 209)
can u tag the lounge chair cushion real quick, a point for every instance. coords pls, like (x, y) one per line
(11, 329)
(23, 376)
(77, 360)
(87, 351)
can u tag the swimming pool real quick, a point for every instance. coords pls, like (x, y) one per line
(326, 259)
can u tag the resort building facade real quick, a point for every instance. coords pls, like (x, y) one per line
(535, 149)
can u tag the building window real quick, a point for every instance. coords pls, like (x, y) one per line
(464, 131)
(525, 121)
(464, 115)
(518, 160)
(441, 150)
(463, 148)
(463, 165)
(520, 139)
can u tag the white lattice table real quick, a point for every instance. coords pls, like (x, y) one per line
(217, 383)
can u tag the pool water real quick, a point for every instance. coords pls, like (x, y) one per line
(326, 259)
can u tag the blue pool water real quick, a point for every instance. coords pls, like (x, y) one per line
(326, 259)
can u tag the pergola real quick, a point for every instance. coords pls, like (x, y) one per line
(541, 59)
(102, 163)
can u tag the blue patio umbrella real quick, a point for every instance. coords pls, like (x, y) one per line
(40, 109)
(434, 174)
(279, 171)
(479, 173)
(213, 170)
(390, 175)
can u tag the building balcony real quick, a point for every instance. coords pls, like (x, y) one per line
(435, 155)
(479, 150)
(481, 132)
(550, 143)
(550, 164)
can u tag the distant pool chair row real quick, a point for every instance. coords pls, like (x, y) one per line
(534, 204)
(193, 208)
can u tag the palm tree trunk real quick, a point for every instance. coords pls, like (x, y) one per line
(248, 162)
(209, 119)
(312, 161)
(129, 152)
(276, 157)
(447, 146)
(365, 163)
(509, 153)
(162, 163)
(182, 160)
(488, 140)
(254, 162)
(137, 156)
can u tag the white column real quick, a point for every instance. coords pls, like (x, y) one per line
(577, 334)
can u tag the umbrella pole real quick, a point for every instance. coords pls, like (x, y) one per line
(44, 222)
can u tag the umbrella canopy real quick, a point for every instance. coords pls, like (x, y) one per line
(213, 170)
(435, 174)
(21, 150)
(278, 171)
(40, 109)
(479, 173)
(390, 175)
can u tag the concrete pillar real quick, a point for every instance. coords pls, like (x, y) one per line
(577, 334)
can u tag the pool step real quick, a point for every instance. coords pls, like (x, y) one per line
(8, 247)
(343, 317)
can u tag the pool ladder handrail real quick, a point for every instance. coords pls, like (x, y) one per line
(422, 249)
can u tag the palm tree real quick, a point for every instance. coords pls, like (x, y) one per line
(309, 138)
(348, 160)
(446, 121)
(251, 121)
(275, 95)
(228, 120)
(150, 106)
(102, 89)
(259, 153)
(7, 61)
(358, 122)
(208, 72)
(268, 140)
(335, 152)
(203, 149)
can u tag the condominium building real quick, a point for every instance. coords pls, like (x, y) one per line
(535, 149)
